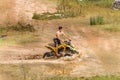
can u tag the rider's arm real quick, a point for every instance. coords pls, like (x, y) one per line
(66, 36)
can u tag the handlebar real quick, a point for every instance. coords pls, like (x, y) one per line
(67, 41)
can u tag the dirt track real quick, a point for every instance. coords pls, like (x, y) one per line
(100, 55)
(100, 49)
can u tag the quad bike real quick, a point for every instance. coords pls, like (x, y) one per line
(116, 5)
(64, 49)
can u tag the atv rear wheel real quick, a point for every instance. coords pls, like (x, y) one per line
(48, 54)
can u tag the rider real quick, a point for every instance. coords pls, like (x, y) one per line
(115, 2)
(59, 36)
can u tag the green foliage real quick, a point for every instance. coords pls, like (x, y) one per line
(104, 3)
(92, 21)
(70, 8)
(47, 16)
(22, 27)
(99, 20)
(65, 9)
(1, 28)
(36, 16)
(100, 3)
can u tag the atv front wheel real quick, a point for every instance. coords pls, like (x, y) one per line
(67, 55)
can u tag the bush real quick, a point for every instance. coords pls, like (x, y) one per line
(99, 20)
(36, 16)
(92, 21)
(3, 29)
(47, 16)
(22, 27)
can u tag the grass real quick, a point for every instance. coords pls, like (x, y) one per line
(20, 27)
(83, 78)
(47, 16)
(109, 27)
(101, 3)
(37, 72)
(20, 33)
(18, 38)
(65, 9)
(93, 13)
